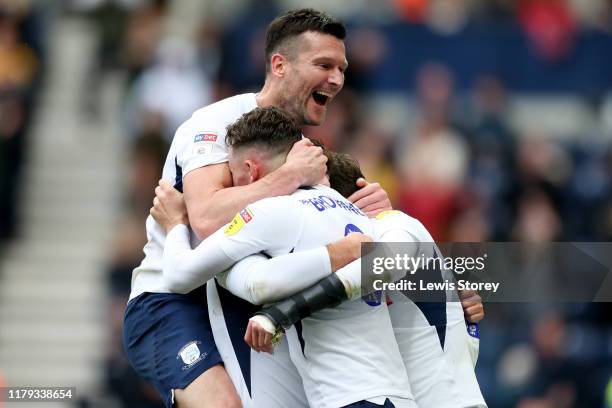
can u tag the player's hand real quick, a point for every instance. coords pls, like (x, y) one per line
(307, 162)
(168, 206)
(473, 308)
(346, 250)
(371, 198)
(257, 337)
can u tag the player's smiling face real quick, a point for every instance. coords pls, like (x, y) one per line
(315, 74)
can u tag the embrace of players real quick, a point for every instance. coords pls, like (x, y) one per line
(252, 197)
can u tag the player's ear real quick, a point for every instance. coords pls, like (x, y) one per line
(252, 170)
(278, 65)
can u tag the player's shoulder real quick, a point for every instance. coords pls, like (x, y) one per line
(279, 204)
(225, 110)
(394, 215)
(277, 216)
(216, 116)
(208, 124)
(400, 220)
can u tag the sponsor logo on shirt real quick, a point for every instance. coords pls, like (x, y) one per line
(246, 215)
(204, 143)
(205, 137)
(240, 220)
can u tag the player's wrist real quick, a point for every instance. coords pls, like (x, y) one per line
(346, 250)
(291, 176)
(264, 322)
(337, 255)
(175, 226)
(184, 223)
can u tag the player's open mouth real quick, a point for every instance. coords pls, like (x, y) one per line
(321, 97)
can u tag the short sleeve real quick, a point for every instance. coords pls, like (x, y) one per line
(201, 146)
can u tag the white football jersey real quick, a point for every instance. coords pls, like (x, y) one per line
(343, 354)
(198, 142)
(432, 336)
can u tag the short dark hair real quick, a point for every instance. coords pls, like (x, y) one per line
(296, 22)
(269, 128)
(343, 171)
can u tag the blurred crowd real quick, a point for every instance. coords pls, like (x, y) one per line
(21, 71)
(448, 152)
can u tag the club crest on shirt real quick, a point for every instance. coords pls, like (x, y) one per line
(240, 220)
(204, 143)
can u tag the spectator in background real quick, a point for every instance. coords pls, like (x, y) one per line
(168, 91)
(366, 48)
(371, 146)
(492, 151)
(493, 11)
(443, 16)
(145, 27)
(18, 63)
(433, 162)
(18, 69)
(109, 19)
(550, 25)
(128, 35)
(413, 11)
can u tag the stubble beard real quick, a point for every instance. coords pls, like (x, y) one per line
(296, 112)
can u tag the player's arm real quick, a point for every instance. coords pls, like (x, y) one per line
(287, 312)
(212, 201)
(260, 280)
(331, 290)
(471, 302)
(267, 323)
(185, 269)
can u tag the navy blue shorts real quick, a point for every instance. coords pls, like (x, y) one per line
(168, 339)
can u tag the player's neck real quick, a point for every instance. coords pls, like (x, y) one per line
(267, 96)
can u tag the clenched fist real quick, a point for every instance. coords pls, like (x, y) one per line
(168, 206)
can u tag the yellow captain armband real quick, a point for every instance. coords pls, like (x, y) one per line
(385, 213)
(240, 220)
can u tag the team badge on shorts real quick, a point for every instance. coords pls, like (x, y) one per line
(473, 331)
(203, 143)
(239, 221)
(190, 354)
